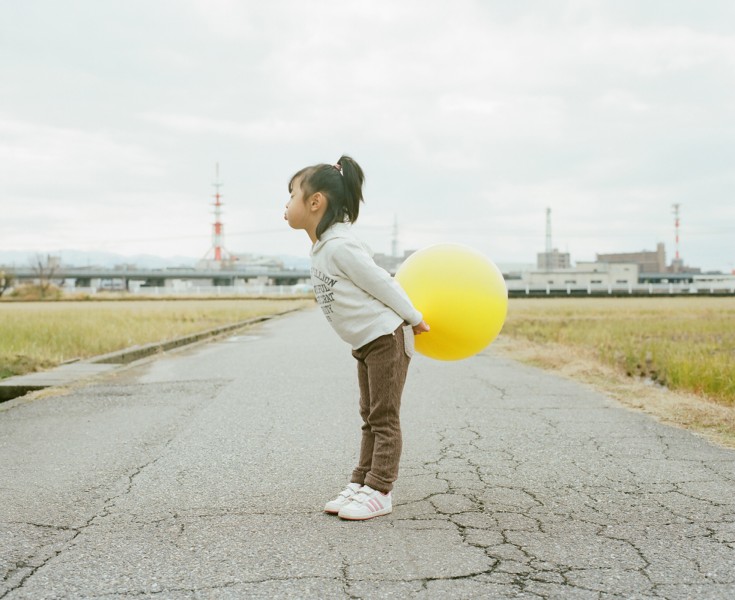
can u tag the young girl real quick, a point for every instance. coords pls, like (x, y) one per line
(369, 311)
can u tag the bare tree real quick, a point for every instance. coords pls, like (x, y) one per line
(45, 267)
(6, 280)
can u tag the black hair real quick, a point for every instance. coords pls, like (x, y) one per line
(341, 183)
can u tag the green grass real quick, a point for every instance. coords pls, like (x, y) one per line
(40, 335)
(685, 344)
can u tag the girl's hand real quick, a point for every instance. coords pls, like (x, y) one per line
(420, 328)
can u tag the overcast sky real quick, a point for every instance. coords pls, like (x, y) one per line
(469, 117)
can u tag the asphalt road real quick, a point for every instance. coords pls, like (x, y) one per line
(203, 473)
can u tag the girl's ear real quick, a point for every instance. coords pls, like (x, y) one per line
(317, 200)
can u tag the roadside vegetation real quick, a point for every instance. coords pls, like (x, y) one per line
(40, 335)
(639, 349)
(671, 357)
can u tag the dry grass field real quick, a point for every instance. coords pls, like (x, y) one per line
(672, 357)
(40, 335)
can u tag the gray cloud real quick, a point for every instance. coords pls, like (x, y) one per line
(470, 118)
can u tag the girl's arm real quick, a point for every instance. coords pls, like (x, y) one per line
(355, 262)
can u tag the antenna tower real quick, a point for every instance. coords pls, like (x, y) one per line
(218, 248)
(394, 242)
(548, 232)
(676, 228)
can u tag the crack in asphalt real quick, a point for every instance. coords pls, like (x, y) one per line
(158, 589)
(592, 521)
(126, 480)
(455, 467)
(77, 531)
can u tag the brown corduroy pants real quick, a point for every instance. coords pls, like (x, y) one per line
(381, 372)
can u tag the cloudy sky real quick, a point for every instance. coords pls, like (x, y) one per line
(469, 117)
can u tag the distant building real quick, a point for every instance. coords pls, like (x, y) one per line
(549, 261)
(649, 261)
(240, 262)
(715, 281)
(584, 274)
(391, 263)
(209, 264)
(678, 266)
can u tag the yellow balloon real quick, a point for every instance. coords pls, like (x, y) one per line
(463, 298)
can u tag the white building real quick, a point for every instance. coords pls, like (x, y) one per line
(553, 260)
(714, 282)
(584, 275)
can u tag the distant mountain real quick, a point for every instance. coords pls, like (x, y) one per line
(295, 262)
(82, 258)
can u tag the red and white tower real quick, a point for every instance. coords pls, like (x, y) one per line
(677, 264)
(217, 252)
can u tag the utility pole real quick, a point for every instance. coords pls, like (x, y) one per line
(677, 261)
(394, 241)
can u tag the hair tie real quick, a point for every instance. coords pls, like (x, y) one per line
(339, 168)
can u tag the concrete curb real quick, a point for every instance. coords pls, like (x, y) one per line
(64, 374)
(128, 355)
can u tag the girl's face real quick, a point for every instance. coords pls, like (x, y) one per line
(296, 213)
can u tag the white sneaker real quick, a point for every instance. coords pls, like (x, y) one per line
(366, 504)
(332, 507)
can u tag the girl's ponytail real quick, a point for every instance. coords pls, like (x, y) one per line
(341, 183)
(353, 179)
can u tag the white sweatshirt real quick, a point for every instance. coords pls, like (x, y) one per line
(360, 299)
